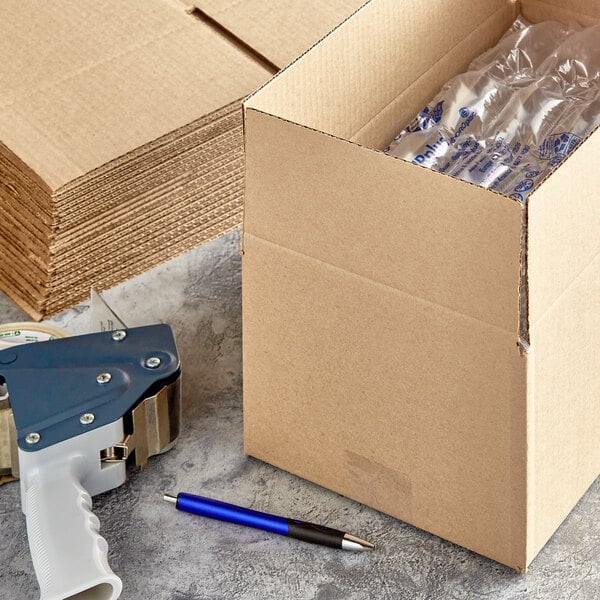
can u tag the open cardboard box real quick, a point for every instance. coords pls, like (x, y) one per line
(392, 350)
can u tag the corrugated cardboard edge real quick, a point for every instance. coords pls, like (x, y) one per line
(23, 183)
(224, 202)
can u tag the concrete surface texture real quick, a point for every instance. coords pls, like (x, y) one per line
(163, 554)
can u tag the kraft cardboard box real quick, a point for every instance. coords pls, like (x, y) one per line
(121, 131)
(392, 350)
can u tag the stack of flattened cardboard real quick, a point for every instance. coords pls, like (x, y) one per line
(120, 132)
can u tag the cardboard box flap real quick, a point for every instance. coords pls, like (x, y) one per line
(583, 11)
(460, 249)
(279, 30)
(94, 81)
(374, 61)
(385, 125)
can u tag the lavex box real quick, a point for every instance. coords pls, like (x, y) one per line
(393, 352)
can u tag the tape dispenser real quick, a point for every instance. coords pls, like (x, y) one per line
(73, 411)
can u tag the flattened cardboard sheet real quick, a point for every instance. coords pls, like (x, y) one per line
(96, 98)
(279, 30)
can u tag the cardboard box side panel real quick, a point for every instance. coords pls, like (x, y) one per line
(279, 30)
(566, 388)
(406, 227)
(585, 12)
(358, 69)
(564, 226)
(150, 83)
(386, 124)
(429, 407)
(564, 317)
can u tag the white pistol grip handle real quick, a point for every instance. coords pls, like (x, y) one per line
(69, 555)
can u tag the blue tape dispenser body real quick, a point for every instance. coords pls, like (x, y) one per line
(78, 408)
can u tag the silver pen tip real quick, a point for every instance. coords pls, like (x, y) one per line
(351, 542)
(169, 498)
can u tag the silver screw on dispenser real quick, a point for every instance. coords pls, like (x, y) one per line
(87, 418)
(119, 335)
(33, 438)
(104, 378)
(153, 362)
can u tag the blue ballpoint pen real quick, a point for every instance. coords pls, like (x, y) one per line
(308, 532)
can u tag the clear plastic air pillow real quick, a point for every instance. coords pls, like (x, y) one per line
(518, 111)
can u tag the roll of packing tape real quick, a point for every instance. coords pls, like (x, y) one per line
(14, 334)
(11, 335)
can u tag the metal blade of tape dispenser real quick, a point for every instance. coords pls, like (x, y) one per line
(152, 427)
(102, 316)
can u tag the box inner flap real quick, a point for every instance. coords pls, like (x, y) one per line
(392, 118)
(80, 83)
(585, 12)
(279, 30)
(374, 60)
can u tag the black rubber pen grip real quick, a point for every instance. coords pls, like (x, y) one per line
(315, 534)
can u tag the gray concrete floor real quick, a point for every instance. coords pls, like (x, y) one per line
(167, 555)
